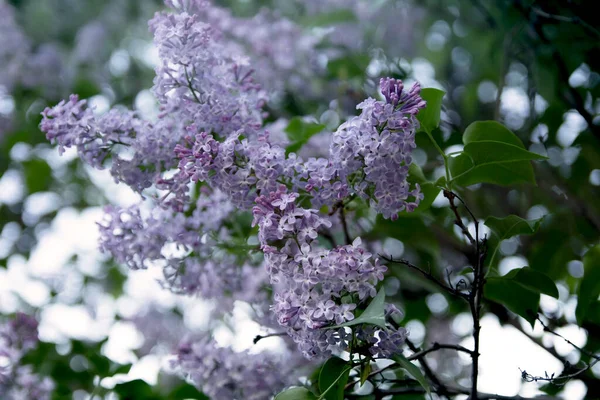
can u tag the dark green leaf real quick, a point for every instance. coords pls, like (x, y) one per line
(136, 389)
(299, 132)
(507, 227)
(413, 370)
(296, 393)
(37, 175)
(533, 280)
(430, 190)
(348, 67)
(187, 391)
(492, 154)
(330, 18)
(589, 289)
(374, 314)
(365, 372)
(334, 372)
(430, 116)
(513, 296)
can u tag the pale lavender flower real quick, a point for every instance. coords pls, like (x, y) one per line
(18, 381)
(222, 373)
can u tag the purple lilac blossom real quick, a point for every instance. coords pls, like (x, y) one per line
(240, 167)
(209, 129)
(372, 152)
(199, 81)
(17, 381)
(225, 374)
(316, 288)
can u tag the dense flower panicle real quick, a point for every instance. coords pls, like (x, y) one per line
(225, 374)
(239, 167)
(283, 54)
(68, 123)
(372, 152)
(315, 288)
(17, 381)
(199, 81)
(130, 239)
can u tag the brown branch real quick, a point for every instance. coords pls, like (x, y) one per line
(438, 346)
(345, 226)
(429, 276)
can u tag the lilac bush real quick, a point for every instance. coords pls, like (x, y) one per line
(208, 160)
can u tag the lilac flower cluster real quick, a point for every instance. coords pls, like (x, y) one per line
(283, 53)
(224, 374)
(241, 168)
(17, 337)
(372, 152)
(186, 248)
(199, 81)
(209, 139)
(315, 288)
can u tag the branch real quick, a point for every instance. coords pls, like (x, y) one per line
(437, 346)
(345, 226)
(476, 293)
(427, 275)
(456, 391)
(563, 378)
(451, 196)
(258, 338)
(441, 388)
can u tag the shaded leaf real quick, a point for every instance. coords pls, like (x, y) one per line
(334, 372)
(329, 18)
(589, 289)
(429, 189)
(513, 296)
(413, 370)
(492, 154)
(299, 132)
(507, 227)
(430, 116)
(374, 314)
(533, 280)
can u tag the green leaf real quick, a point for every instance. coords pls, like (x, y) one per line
(413, 370)
(533, 280)
(429, 189)
(374, 314)
(37, 175)
(136, 389)
(507, 227)
(296, 393)
(430, 116)
(589, 289)
(299, 132)
(492, 154)
(330, 18)
(349, 67)
(187, 391)
(514, 296)
(365, 372)
(333, 378)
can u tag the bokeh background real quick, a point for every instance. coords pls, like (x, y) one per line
(108, 331)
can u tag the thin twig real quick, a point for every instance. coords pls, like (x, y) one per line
(258, 338)
(451, 196)
(429, 276)
(345, 226)
(439, 346)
